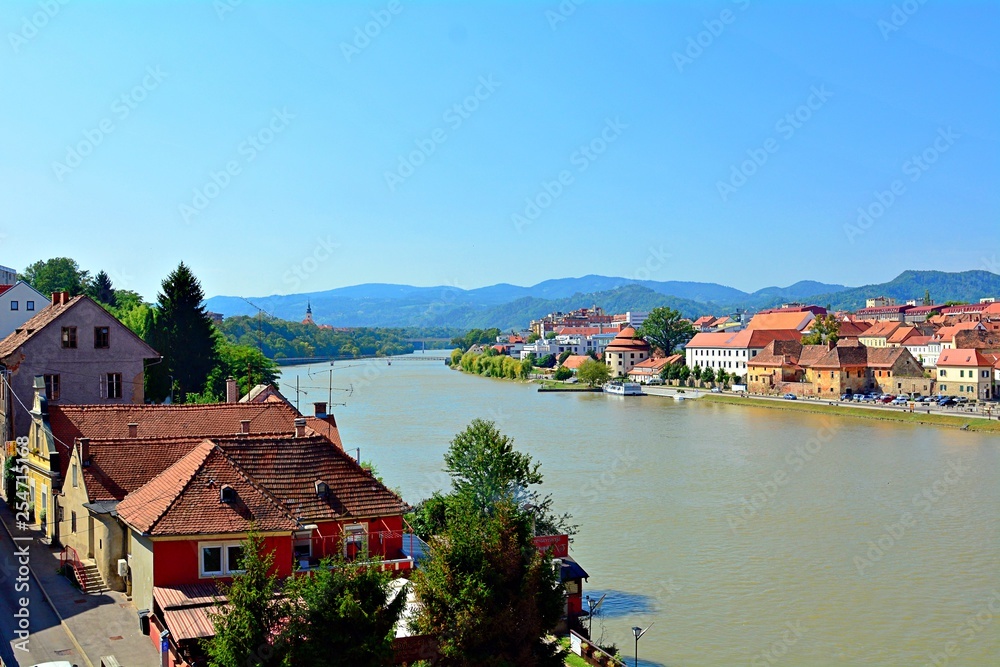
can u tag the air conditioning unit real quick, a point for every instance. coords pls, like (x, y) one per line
(122, 568)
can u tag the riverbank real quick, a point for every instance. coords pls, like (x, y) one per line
(968, 423)
(556, 385)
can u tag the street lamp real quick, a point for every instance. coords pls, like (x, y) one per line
(638, 632)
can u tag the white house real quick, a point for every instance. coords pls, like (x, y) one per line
(731, 350)
(925, 349)
(18, 304)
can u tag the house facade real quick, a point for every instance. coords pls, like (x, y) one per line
(731, 351)
(19, 302)
(966, 373)
(625, 351)
(82, 353)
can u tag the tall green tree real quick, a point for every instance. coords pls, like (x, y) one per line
(245, 628)
(593, 372)
(60, 274)
(184, 335)
(825, 329)
(664, 328)
(100, 289)
(340, 613)
(244, 363)
(487, 595)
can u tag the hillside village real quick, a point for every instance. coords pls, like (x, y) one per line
(922, 352)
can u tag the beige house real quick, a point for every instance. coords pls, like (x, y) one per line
(966, 373)
(625, 351)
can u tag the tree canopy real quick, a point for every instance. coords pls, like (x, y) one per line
(664, 328)
(59, 274)
(825, 329)
(593, 372)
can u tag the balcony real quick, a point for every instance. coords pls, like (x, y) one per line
(396, 550)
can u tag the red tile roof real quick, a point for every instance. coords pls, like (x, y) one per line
(574, 361)
(626, 341)
(213, 419)
(964, 357)
(185, 499)
(4, 288)
(119, 467)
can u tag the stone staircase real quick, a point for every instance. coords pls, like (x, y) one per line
(95, 584)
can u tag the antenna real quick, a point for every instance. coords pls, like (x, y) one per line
(260, 330)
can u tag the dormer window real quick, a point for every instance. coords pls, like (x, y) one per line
(322, 489)
(227, 494)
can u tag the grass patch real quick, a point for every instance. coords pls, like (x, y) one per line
(572, 659)
(818, 407)
(555, 385)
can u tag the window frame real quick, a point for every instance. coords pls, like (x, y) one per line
(53, 386)
(68, 338)
(13, 304)
(29, 305)
(227, 569)
(102, 335)
(113, 381)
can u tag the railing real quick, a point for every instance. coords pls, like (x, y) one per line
(363, 547)
(70, 557)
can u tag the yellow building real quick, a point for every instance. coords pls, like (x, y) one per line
(43, 467)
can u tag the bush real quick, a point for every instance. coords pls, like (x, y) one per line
(563, 373)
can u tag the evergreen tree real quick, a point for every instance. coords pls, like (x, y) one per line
(100, 289)
(245, 629)
(183, 333)
(341, 609)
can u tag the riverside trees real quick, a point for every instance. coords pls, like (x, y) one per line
(487, 595)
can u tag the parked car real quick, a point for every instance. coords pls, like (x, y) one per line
(900, 400)
(716, 390)
(887, 398)
(846, 397)
(961, 399)
(947, 402)
(790, 397)
(655, 381)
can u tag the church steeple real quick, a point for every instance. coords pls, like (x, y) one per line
(309, 314)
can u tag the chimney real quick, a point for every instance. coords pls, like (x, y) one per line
(84, 450)
(56, 298)
(133, 430)
(300, 427)
(244, 426)
(319, 409)
(232, 391)
(65, 298)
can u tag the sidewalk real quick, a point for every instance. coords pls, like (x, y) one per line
(99, 625)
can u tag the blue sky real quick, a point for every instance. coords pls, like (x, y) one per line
(276, 147)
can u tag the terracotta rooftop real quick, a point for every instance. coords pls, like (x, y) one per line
(626, 341)
(574, 361)
(4, 288)
(781, 320)
(964, 357)
(185, 499)
(213, 419)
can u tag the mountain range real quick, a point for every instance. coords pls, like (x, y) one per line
(512, 307)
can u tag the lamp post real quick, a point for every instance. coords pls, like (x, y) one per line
(638, 632)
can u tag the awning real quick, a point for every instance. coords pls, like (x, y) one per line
(571, 570)
(102, 506)
(185, 609)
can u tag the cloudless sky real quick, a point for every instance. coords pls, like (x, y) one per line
(311, 208)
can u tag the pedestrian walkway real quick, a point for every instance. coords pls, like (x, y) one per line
(100, 625)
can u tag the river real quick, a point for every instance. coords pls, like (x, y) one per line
(745, 536)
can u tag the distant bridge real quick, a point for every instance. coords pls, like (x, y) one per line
(297, 361)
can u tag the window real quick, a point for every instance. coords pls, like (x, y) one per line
(29, 305)
(211, 560)
(942, 373)
(220, 559)
(52, 387)
(13, 305)
(102, 337)
(354, 541)
(74, 476)
(961, 374)
(944, 387)
(114, 385)
(69, 338)
(302, 546)
(72, 522)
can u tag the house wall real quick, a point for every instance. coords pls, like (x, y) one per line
(82, 371)
(834, 382)
(967, 382)
(176, 560)
(621, 363)
(28, 300)
(141, 570)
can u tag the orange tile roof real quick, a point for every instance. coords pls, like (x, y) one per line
(213, 419)
(626, 340)
(185, 499)
(574, 361)
(963, 357)
(882, 329)
(790, 320)
(745, 339)
(119, 467)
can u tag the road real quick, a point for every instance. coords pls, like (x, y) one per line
(47, 639)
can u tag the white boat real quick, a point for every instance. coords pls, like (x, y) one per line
(623, 388)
